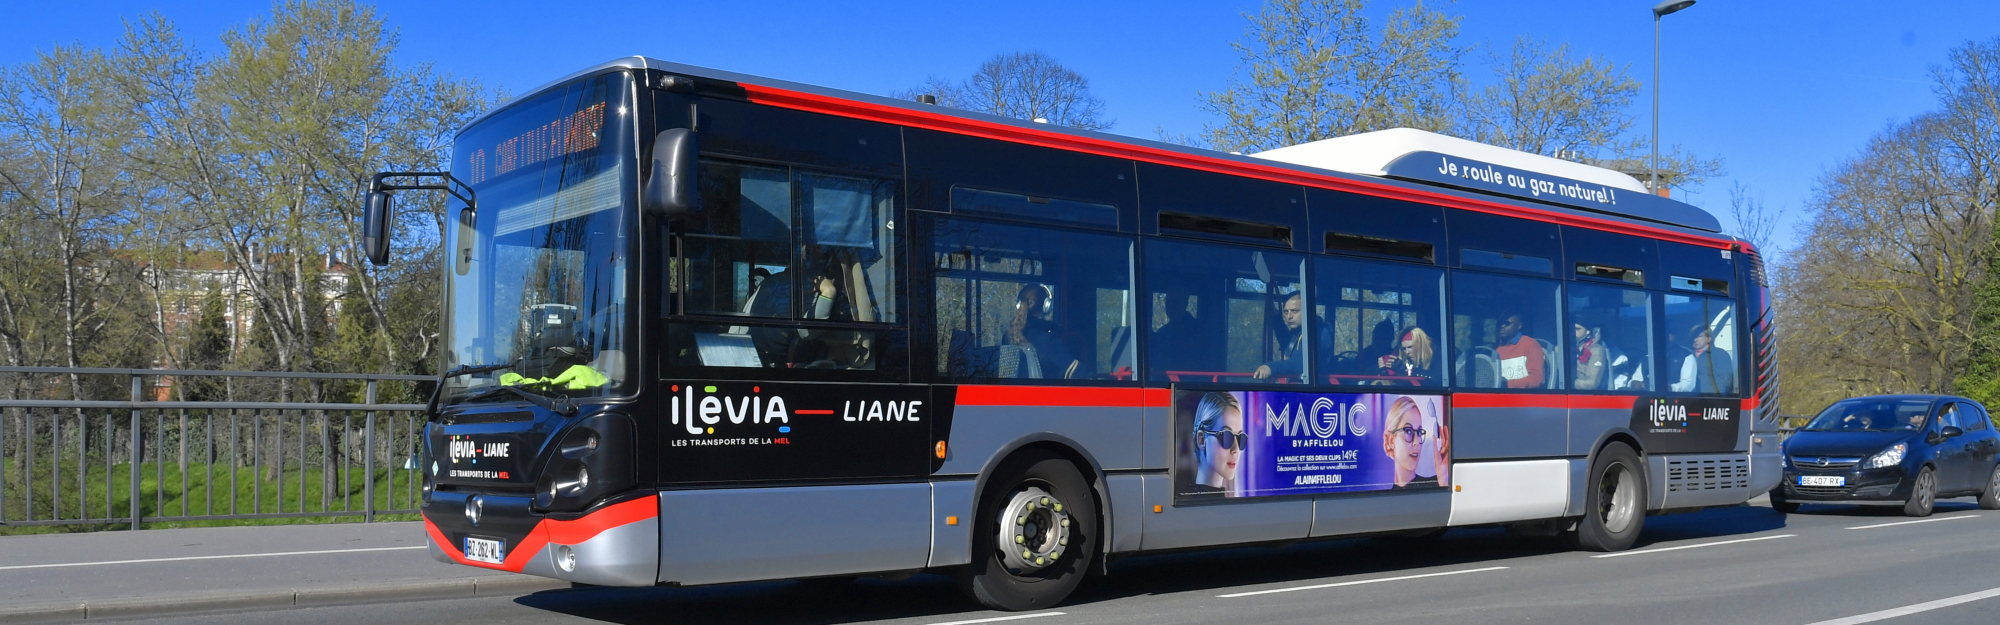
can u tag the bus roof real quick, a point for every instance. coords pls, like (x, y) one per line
(1387, 163)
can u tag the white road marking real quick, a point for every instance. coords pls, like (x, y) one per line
(240, 555)
(1942, 518)
(1002, 618)
(1365, 581)
(1912, 609)
(1713, 544)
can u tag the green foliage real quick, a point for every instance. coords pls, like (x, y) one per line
(201, 490)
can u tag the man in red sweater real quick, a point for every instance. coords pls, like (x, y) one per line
(1520, 356)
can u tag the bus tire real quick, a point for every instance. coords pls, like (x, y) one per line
(1614, 501)
(1036, 536)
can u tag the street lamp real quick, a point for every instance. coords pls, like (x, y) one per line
(1660, 10)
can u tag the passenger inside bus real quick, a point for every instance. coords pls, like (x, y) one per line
(1521, 358)
(1411, 364)
(1288, 338)
(1044, 343)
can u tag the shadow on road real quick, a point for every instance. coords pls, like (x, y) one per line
(822, 602)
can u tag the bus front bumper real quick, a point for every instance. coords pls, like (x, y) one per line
(614, 543)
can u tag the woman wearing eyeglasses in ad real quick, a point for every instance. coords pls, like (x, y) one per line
(1218, 444)
(1414, 440)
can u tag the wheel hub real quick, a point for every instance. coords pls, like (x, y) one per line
(1616, 498)
(1034, 531)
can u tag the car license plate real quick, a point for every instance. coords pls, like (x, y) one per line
(1822, 480)
(483, 550)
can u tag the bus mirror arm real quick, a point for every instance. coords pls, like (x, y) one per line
(378, 210)
(670, 191)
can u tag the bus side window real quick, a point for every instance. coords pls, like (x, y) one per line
(1016, 302)
(1504, 332)
(1381, 323)
(1701, 345)
(1217, 314)
(1611, 338)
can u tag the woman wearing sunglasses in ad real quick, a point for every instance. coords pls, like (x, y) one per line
(1219, 440)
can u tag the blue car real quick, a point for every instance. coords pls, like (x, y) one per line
(1902, 449)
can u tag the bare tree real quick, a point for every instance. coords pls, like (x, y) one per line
(1754, 222)
(1022, 85)
(1543, 101)
(1316, 69)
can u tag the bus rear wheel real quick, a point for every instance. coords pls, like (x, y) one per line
(1614, 501)
(1036, 536)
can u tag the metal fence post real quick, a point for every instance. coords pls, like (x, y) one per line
(368, 442)
(138, 437)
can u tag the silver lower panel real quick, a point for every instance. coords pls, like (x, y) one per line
(627, 555)
(733, 535)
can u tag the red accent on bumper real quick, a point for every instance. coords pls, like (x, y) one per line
(550, 530)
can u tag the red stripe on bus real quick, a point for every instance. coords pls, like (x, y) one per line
(1603, 402)
(612, 516)
(813, 411)
(1050, 396)
(784, 98)
(1497, 400)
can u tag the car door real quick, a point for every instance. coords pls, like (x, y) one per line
(1954, 466)
(1981, 442)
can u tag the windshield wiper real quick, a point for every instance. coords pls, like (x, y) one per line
(437, 392)
(558, 405)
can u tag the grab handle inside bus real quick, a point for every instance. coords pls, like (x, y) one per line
(671, 191)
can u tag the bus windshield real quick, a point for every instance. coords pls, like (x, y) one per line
(537, 274)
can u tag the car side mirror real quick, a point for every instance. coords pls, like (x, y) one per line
(1952, 431)
(671, 192)
(375, 229)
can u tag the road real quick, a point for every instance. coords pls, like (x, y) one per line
(1736, 565)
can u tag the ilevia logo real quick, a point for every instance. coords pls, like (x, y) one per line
(1323, 420)
(462, 447)
(1663, 414)
(709, 409)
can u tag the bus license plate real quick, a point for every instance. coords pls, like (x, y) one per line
(1822, 480)
(483, 550)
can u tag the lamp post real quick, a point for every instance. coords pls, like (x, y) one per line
(1660, 10)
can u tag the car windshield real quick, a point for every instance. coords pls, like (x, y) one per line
(1872, 415)
(537, 277)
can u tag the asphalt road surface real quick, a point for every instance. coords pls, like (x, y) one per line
(1821, 566)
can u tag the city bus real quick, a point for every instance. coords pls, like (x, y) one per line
(702, 327)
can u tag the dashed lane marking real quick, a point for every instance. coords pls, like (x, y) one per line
(1358, 583)
(1942, 518)
(1912, 609)
(1713, 544)
(184, 559)
(1002, 618)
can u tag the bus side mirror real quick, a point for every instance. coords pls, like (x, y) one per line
(375, 227)
(671, 191)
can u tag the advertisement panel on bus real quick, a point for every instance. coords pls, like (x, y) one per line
(1242, 444)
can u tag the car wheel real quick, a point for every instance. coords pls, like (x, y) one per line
(1779, 504)
(1923, 495)
(1990, 498)
(1614, 501)
(1036, 535)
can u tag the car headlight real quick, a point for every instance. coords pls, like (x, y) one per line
(1888, 458)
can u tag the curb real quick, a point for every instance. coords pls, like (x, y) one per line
(346, 594)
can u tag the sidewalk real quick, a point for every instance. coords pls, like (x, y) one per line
(67, 577)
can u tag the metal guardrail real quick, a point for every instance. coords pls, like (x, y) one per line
(93, 462)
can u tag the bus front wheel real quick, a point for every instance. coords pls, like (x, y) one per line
(1036, 535)
(1614, 501)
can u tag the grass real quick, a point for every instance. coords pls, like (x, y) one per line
(161, 494)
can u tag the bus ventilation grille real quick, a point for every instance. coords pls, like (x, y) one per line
(1695, 474)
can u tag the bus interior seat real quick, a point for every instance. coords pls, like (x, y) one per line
(1019, 361)
(1349, 363)
(1479, 368)
(1549, 364)
(966, 359)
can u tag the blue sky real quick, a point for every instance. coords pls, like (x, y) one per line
(1782, 90)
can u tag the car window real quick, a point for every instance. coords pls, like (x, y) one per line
(1947, 415)
(1971, 417)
